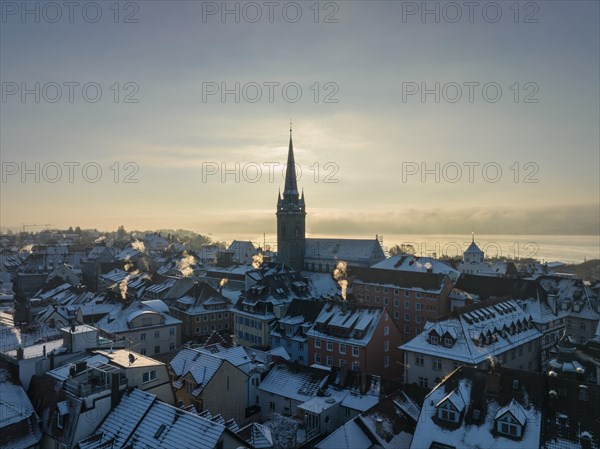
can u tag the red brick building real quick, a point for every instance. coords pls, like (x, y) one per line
(355, 336)
(410, 298)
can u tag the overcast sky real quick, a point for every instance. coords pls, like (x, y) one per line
(363, 133)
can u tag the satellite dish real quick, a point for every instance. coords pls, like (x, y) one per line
(131, 358)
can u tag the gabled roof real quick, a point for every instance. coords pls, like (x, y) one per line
(433, 282)
(153, 424)
(351, 251)
(515, 409)
(455, 398)
(18, 421)
(257, 435)
(396, 416)
(294, 381)
(482, 331)
(357, 321)
(200, 365)
(487, 396)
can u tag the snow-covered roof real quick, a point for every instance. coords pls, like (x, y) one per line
(515, 409)
(359, 322)
(408, 262)
(299, 383)
(257, 435)
(474, 434)
(477, 334)
(118, 320)
(201, 366)
(18, 422)
(62, 372)
(153, 424)
(349, 250)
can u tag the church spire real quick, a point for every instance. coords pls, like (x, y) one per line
(290, 191)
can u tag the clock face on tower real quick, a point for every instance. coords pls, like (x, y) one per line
(291, 217)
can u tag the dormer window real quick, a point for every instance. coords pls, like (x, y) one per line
(448, 342)
(510, 420)
(510, 429)
(434, 339)
(447, 415)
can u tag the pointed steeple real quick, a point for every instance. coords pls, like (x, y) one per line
(290, 191)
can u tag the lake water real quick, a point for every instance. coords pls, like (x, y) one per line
(545, 248)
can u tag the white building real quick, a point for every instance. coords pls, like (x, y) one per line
(500, 331)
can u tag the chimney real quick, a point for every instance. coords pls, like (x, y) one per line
(20, 353)
(114, 390)
(379, 427)
(363, 383)
(44, 350)
(494, 382)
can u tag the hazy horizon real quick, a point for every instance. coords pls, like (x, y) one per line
(375, 158)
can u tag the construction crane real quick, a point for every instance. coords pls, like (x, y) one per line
(35, 226)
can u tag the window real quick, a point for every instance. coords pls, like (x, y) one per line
(172, 347)
(386, 346)
(396, 303)
(60, 420)
(385, 301)
(396, 292)
(396, 314)
(437, 364)
(386, 330)
(582, 326)
(143, 351)
(447, 415)
(197, 319)
(342, 349)
(156, 334)
(329, 360)
(407, 317)
(271, 406)
(406, 304)
(149, 376)
(423, 382)
(506, 428)
(205, 318)
(418, 319)
(354, 351)
(329, 346)
(301, 358)
(342, 362)
(376, 299)
(172, 331)
(301, 346)
(355, 365)
(419, 359)
(386, 361)
(520, 351)
(583, 396)
(419, 295)
(317, 343)
(448, 342)
(418, 306)
(142, 336)
(434, 339)
(406, 293)
(317, 358)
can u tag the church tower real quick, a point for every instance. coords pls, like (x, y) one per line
(291, 218)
